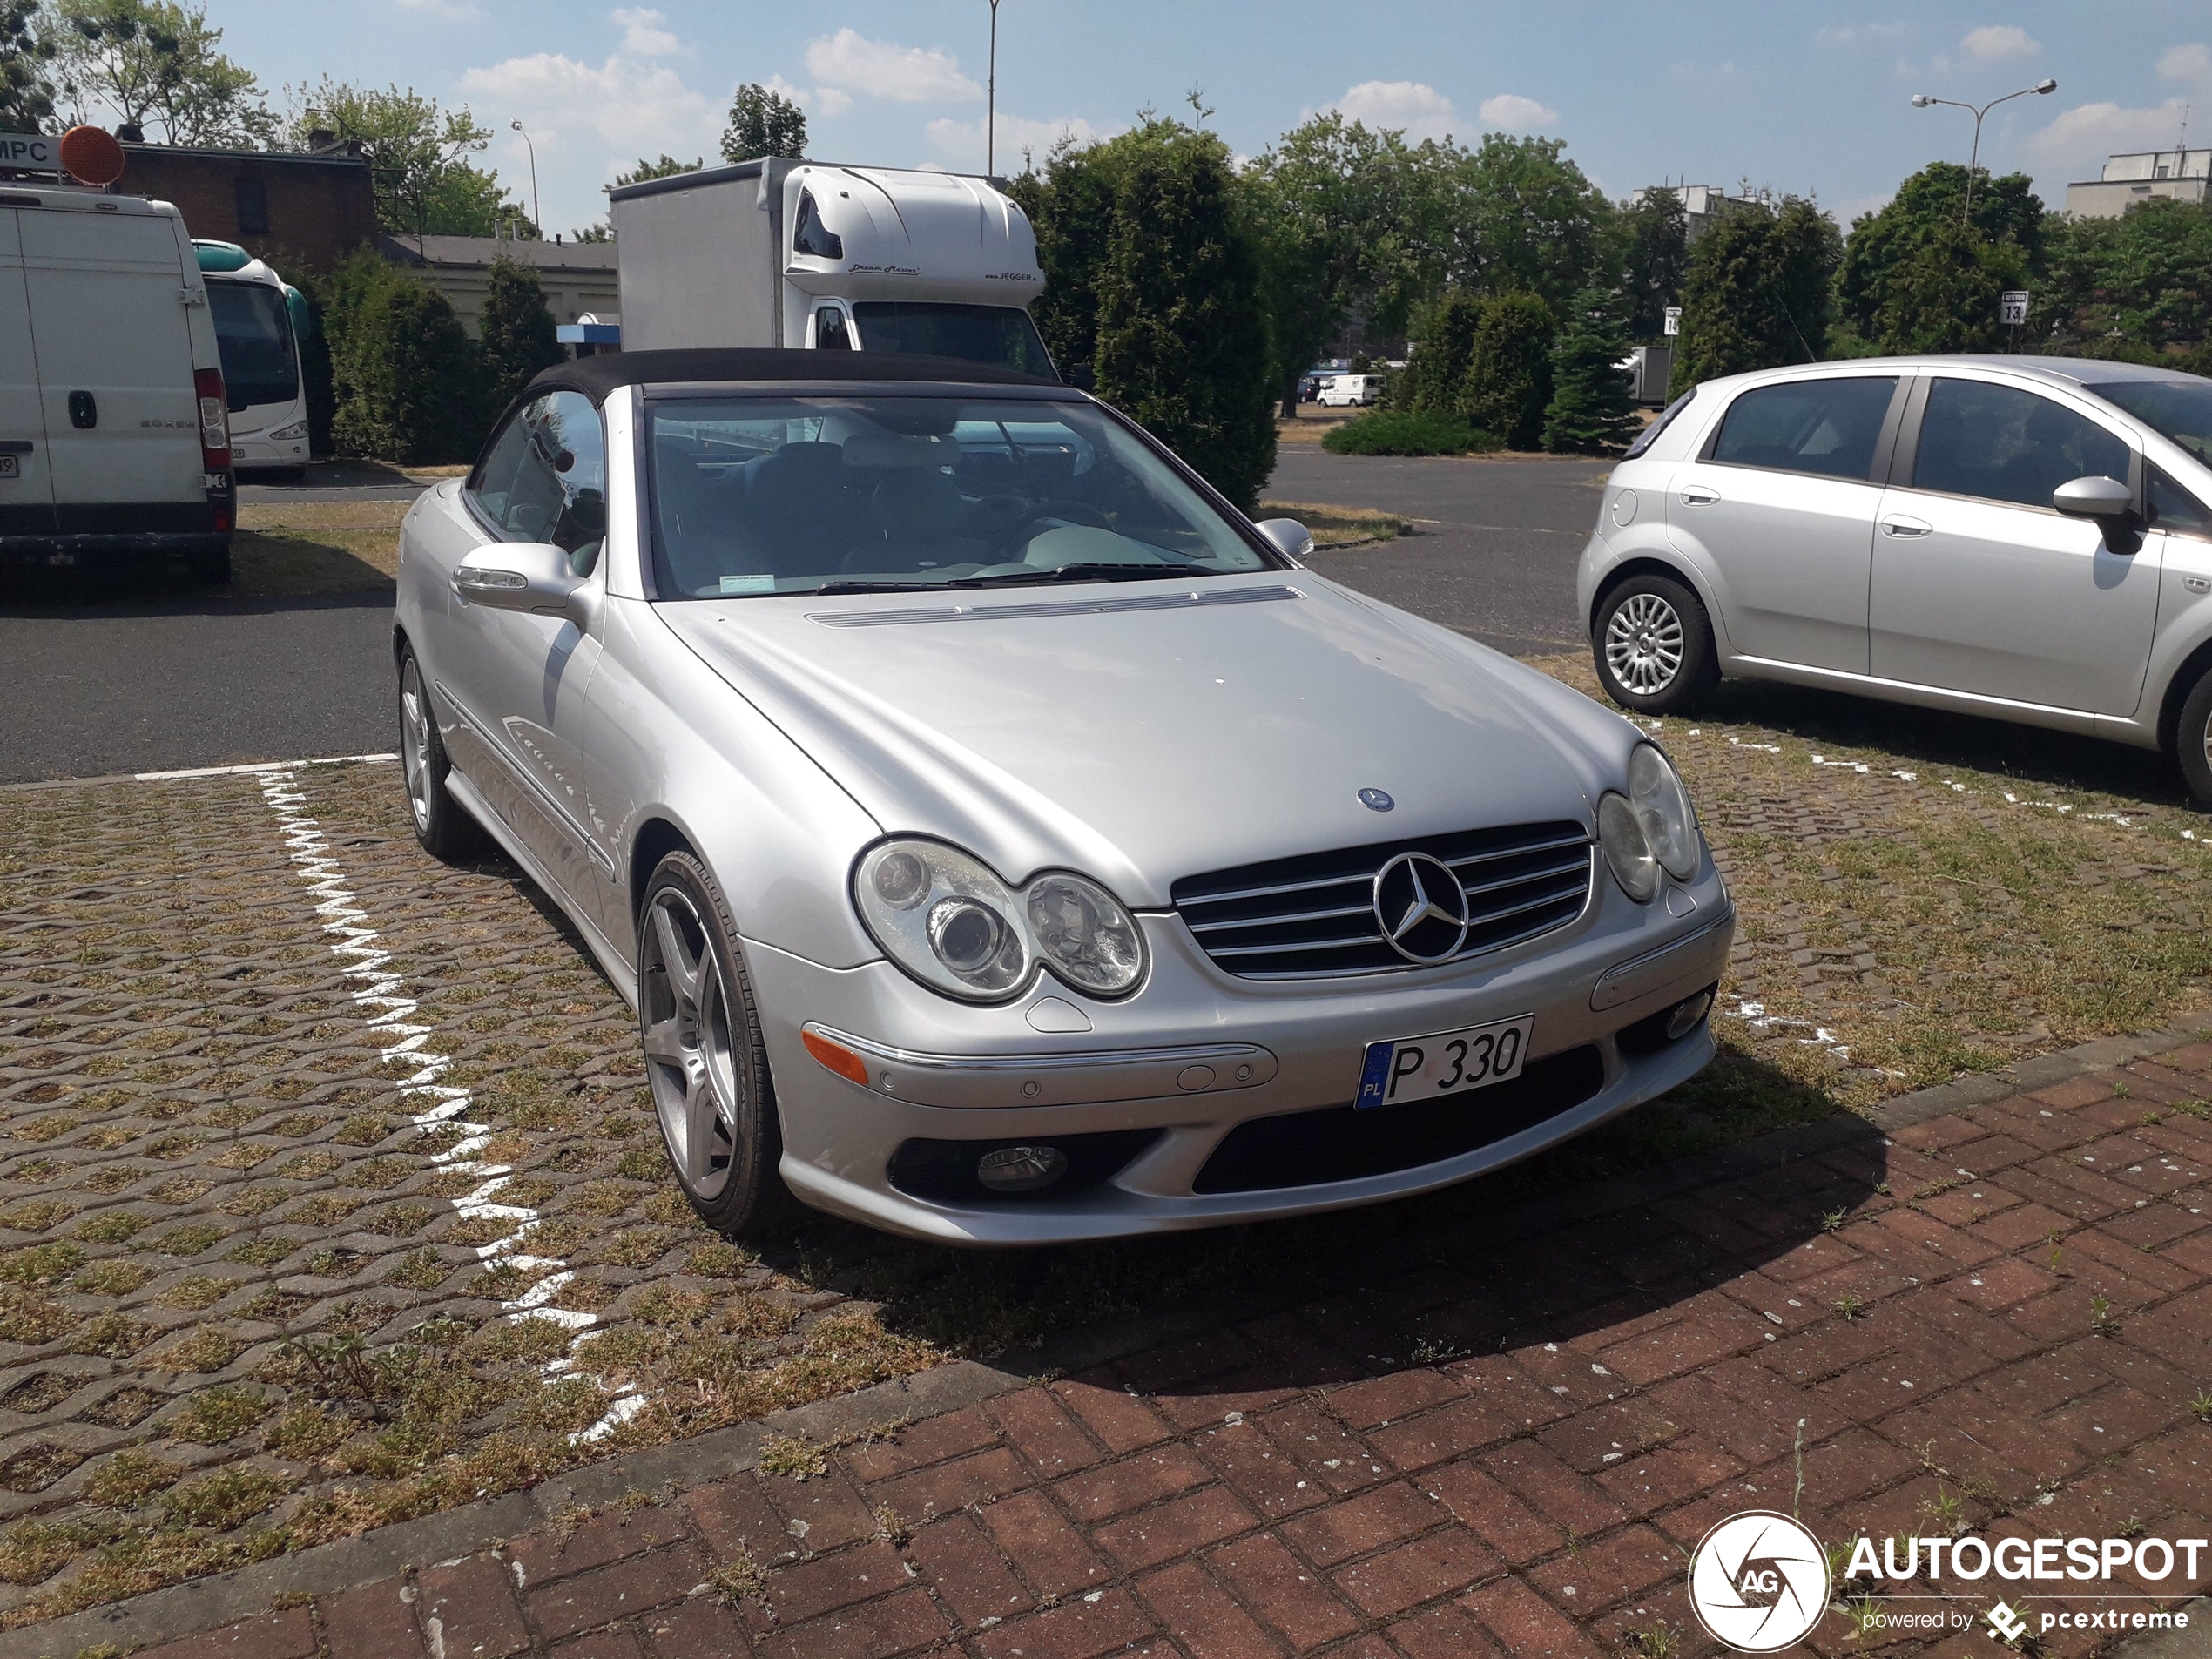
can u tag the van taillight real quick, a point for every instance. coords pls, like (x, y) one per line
(214, 421)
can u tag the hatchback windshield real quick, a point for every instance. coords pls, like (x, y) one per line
(2180, 410)
(253, 337)
(768, 495)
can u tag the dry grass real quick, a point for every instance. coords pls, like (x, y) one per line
(1334, 526)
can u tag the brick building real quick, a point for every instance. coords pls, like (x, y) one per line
(297, 210)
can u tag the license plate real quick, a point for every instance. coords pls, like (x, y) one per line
(7, 467)
(1450, 1062)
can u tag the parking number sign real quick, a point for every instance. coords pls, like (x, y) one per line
(2012, 307)
(1673, 323)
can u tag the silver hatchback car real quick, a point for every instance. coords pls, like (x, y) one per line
(2027, 538)
(1001, 840)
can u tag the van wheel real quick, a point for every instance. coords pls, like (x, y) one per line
(699, 1026)
(2192, 741)
(442, 824)
(208, 569)
(1654, 646)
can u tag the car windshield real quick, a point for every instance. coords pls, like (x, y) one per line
(1002, 335)
(757, 497)
(254, 337)
(2180, 410)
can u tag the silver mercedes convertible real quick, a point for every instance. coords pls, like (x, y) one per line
(1004, 841)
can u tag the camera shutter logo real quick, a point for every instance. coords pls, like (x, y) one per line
(1759, 1583)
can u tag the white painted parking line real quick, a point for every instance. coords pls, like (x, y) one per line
(442, 1105)
(253, 767)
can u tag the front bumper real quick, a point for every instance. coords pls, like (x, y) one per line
(1197, 1052)
(268, 452)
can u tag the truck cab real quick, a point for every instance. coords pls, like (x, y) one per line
(815, 256)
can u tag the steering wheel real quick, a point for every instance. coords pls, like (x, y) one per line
(1082, 512)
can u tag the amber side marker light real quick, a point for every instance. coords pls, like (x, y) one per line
(839, 1058)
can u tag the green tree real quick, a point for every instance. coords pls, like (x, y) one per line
(1509, 368)
(26, 62)
(1338, 209)
(155, 63)
(405, 372)
(418, 157)
(1182, 343)
(1758, 292)
(2143, 279)
(1923, 273)
(1525, 220)
(763, 122)
(515, 332)
(1654, 234)
(1072, 207)
(667, 167)
(1591, 411)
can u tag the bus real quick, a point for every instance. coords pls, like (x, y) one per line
(259, 320)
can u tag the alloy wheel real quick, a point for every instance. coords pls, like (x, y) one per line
(684, 1004)
(1643, 644)
(415, 743)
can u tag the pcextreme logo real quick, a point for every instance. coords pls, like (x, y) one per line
(1759, 1583)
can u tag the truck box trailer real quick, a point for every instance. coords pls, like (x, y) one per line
(811, 255)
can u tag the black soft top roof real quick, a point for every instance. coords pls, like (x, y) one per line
(596, 376)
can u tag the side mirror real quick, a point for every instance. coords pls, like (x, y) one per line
(1291, 539)
(2093, 497)
(531, 576)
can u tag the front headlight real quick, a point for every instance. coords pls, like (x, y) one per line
(1651, 829)
(949, 920)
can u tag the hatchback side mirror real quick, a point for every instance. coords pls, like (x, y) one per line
(532, 576)
(1291, 539)
(2093, 497)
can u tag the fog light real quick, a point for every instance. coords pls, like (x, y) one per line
(1686, 1015)
(1021, 1169)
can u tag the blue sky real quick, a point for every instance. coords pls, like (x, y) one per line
(1802, 99)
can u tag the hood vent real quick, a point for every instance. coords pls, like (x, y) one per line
(1195, 599)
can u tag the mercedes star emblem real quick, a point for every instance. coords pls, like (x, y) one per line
(1421, 907)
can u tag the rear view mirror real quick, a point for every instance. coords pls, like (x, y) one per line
(532, 576)
(2093, 497)
(1291, 539)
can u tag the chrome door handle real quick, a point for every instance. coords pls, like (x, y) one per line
(1906, 527)
(1699, 496)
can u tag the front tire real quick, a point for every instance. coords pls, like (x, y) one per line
(699, 1026)
(442, 824)
(2192, 741)
(1654, 646)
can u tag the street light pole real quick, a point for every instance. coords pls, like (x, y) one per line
(1921, 101)
(537, 218)
(991, 108)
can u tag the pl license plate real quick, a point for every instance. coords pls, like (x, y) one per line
(1409, 1070)
(7, 467)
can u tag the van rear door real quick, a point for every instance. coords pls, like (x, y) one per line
(26, 493)
(111, 323)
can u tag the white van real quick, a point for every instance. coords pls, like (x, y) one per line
(260, 320)
(113, 433)
(1349, 391)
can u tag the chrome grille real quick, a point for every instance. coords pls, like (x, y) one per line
(1313, 917)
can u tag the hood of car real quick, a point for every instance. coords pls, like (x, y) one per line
(1143, 732)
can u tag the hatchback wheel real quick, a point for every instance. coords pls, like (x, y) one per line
(703, 1052)
(442, 824)
(1654, 646)
(2193, 742)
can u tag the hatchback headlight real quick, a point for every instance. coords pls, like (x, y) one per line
(1651, 829)
(947, 920)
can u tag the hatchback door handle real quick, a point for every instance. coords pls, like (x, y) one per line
(1699, 496)
(1906, 527)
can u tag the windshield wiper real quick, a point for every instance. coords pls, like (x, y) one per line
(874, 587)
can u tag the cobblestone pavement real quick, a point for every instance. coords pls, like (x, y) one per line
(1994, 1320)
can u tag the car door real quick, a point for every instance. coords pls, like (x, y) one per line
(1980, 585)
(26, 493)
(519, 680)
(1779, 506)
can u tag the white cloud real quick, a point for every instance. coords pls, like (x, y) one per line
(851, 61)
(2190, 63)
(827, 100)
(961, 142)
(1412, 107)
(642, 35)
(2078, 142)
(1994, 42)
(1519, 114)
(1831, 36)
(439, 8)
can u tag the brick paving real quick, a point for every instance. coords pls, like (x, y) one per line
(1996, 1318)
